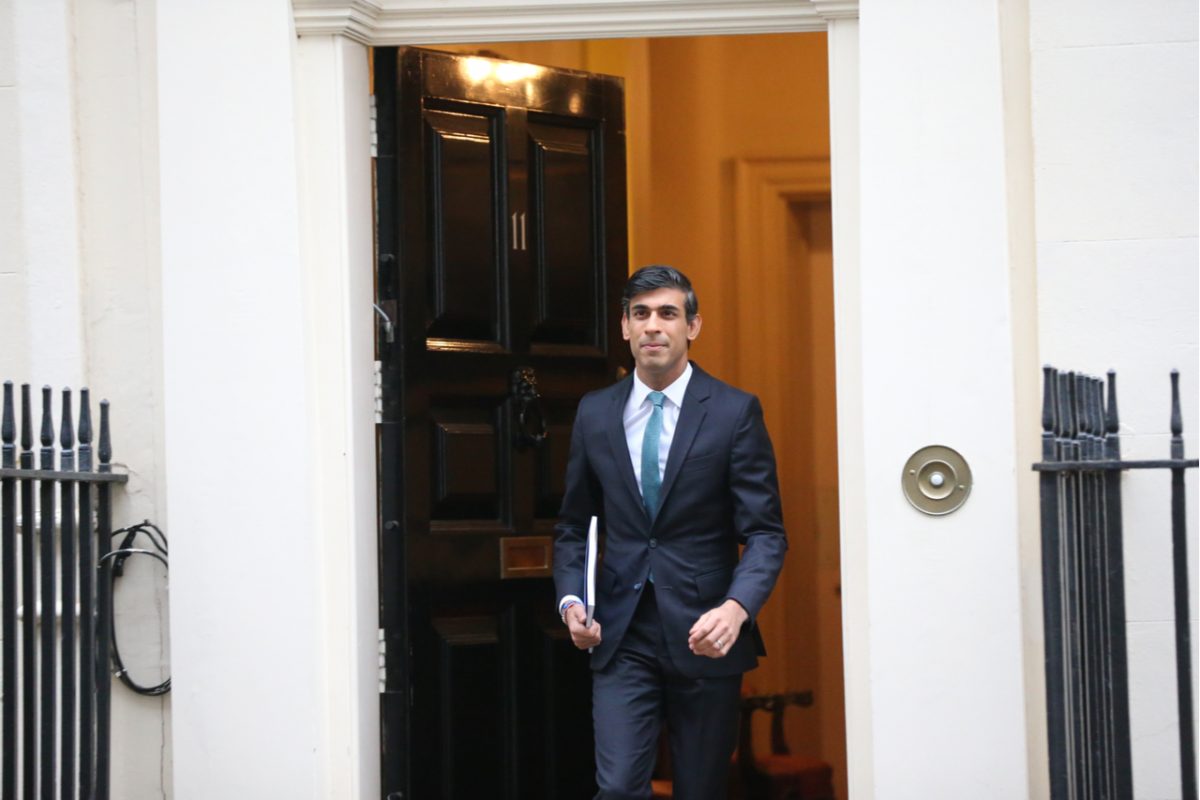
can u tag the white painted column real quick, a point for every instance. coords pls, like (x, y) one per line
(49, 193)
(848, 320)
(336, 212)
(944, 626)
(247, 626)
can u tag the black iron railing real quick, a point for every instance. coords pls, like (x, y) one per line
(55, 618)
(1083, 574)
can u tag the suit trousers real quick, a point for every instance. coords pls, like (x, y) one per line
(631, 697)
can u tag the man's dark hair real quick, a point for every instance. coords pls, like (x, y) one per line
(660, 276)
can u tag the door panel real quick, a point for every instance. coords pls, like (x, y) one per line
(465, 167)
(564, 168)
(501, 231)
(468, 461)
(470, 674)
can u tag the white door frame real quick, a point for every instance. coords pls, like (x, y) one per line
(333, 34)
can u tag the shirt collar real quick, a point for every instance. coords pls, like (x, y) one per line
(674, 392)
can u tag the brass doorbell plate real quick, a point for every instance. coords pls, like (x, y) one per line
(936, 480)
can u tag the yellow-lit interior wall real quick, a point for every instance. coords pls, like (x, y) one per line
(693, 107)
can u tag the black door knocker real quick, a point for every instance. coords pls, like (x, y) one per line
(531, 420)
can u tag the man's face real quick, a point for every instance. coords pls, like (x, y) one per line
(658, 333)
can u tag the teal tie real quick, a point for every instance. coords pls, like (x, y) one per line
(651, 479)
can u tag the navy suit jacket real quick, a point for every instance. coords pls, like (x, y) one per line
(719, 490)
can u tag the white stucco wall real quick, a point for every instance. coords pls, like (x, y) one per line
(14, 360)
(47, 190)
(1114, 90)
(79, 288)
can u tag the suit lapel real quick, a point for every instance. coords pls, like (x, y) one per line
(691, 417)
(619, 444)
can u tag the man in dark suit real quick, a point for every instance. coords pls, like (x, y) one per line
(679, 470)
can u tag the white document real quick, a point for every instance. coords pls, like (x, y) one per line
(589, 570)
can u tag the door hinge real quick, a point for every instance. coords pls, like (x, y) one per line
(382, 661)
(374, 129)
(378, 392)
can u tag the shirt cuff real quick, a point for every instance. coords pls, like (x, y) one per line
(566, 600)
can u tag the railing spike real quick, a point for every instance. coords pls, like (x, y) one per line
(1112, 422)
(1082, 385)
(105, 439)
(1085, 405)
(85, 431)
(67, 436)
(1063, 397)
(1176, 418)
(1176, 413)
(47, 457)
(8, 428)
(26, 417)
(1073, 404)
(1111, 419)
(1095, 421)
(1056, 391)
(1048, 375)
(1083, 409)
(47, 416)
(1098, 408)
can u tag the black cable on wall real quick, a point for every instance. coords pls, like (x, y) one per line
(118, 556)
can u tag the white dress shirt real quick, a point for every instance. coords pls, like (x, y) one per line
(637, 413)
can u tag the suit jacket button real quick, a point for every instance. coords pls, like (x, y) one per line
(637, 587)
(654, 543)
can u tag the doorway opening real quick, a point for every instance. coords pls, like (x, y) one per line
(727, 153)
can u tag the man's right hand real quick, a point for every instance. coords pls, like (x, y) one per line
(583, 636)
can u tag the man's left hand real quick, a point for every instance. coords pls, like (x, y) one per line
(715, 632)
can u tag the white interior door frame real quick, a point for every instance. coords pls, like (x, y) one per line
(399, 22)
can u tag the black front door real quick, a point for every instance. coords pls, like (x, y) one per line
(500, 191)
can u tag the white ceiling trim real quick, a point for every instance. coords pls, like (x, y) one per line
(394, 22)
